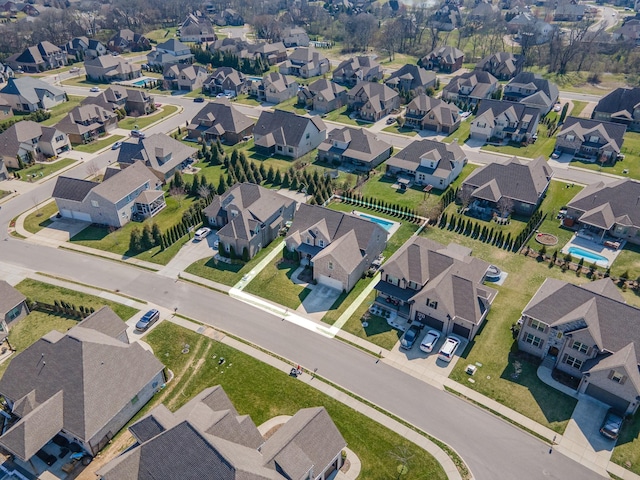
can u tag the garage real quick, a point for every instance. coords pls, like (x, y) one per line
(85, 217)
(330, 282)
(607, 397)
(65, 213)
(461, 331)
(430, 321)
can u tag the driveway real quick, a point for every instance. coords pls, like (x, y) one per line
(316, 304)
(60, 230)
(190, 253)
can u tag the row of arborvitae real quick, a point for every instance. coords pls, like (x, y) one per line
(60, 307)
(404, 213)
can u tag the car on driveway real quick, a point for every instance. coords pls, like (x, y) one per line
(198, 99)
(201, 233)
(410, 336)
(391, 120)
(116, 145)
(448, 349)
(137, 134)
(147, 320)
(94, 89)
(612, 424)
(429, 341)
(556, 154)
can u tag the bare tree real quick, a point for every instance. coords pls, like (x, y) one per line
(179, 194)
(204, 191)
(390, 39)
(403, 455)
(465, 195)
(92, 169)
(505, 206)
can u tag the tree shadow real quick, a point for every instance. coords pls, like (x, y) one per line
(224, 266)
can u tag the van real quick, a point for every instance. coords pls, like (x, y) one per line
(448, 349)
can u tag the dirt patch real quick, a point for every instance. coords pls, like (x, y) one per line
(272, 431)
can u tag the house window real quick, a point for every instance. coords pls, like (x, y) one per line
(94, 203)
(573, 362)
(533, 340)
(330, 266)
(570, 138)
(15, 312)
(290, 149)
(537, 325)
(594, 139)
(59, 138)
(321, 243)
(307, 136)
(617, 377)
(309, 241)
(581, 347)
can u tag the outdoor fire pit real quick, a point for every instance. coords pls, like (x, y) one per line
(546, 239)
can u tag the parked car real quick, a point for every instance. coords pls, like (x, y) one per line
(147, 320)
(74, 70)
(391, 120)
(116, 145)
(201, 233)
(94, 89)
(556, 154)
(137, 134)
(220, 95)
(612, 424)
(198, 99)
(557, 107)
(429, 341)
(409, 337)
(448, 349)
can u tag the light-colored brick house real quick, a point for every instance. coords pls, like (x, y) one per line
(372, 101)
(27, 140)
(589, 332)
(275, 88)
(429, 113)
(305, 62)
(355, 146)
(503, 120)
(470, 87)
(108, 68)
(86, 123)
(358, 69)
(184, 77)
(13, 307)
(338, 246)
(591, 139)
(220, 120)
(323, 95)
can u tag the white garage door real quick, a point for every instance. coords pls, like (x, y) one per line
(66, 213)
(330, 282)
(85, 217)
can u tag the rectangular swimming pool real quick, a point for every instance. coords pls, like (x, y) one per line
(589, 256)
(383, 223)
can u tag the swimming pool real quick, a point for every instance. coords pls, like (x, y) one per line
(140, 82)
(383, 223)
(590, 256)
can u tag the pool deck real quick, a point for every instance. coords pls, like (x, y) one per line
(393, 229)
(593, 247)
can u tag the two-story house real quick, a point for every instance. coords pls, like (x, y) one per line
(429, 113)
(591, 139)
(295, 37)
(358, 69)
(322, 95)
(226, 80)
(436, 286)
(426, 162)
(134, 101)
(249, 218)
(275, 88)
(86, 123)
(305, 62)
(338, 246)
(28, 94)
(288, 134)
(25, 141)
(220, 120)
(620, 106)
(128, 41)
(502, 65)
(355, 146)
(184, 77)
(532, 90)
(589, 332)
(108, 68)
(445, 59)
(411, 78)
(196, 28)
(470, 87)
(372, 101)
(169, 53)
(40, 57)
(13, 307)
(503, 120)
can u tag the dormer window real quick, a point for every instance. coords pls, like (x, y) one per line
(617, 377)
(309, 242)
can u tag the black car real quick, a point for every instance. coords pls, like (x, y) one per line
(198, 99)
(410, 336)
(612, 424)
(147, 320)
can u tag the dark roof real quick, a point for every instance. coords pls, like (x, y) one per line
(620, 103)
(418, 76)
(480, 83)
(490, 110)
(287, 128)
(222, 113)
(10, 298)
(445, 113)
(74, 189)
(622, 199)
(608, 132)
(361, 144)
(444, 154)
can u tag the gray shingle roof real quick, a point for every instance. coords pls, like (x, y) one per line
(129, 179)
(622, 197)
(420, 77)
(32, 89)
(10, 298)
(608, 132)
(447, 154)
(445, 113)
(74, 189)
(287, 128)
(480, 83)
(362, 145)
(620, 103)
(489, 110)
(222, 113)
(18, 133)
(147, 149)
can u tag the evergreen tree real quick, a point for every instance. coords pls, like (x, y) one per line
(178, 181)
(277, 180)
(135, 240)
(156, 234)
(271, 174)
(146, 240)
(222, 187)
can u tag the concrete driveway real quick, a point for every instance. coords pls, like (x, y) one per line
(321, 298)
(61, 230)
(190, 253)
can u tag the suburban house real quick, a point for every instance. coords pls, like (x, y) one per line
(447, 17)
(429, 113)
(26, 140)
(515, 186)
(288, 134)
(436, 286)
(269, 53)
(322, 95)
(4, 173)
(484, 11)
(629, 32)
(13, 307)
(83, 385)
(589, 332)
(6, 72)
(355, 146)
(372, 100)
(591, 139)
(572, 11)
(27, 94)
(226, 80)
(43, 56)
(275, 88)
(108, 68)
(196, 28)
(249, 218)
(358, 69)
(609, 209)
(228, 17)
(213, 440)
(470, 87)
(123, 195)
(532, 90)
(411, 78)
(339, 246)
(79, 48)
(134, 101)
(499, 119)
(305, 62)
(295, 37)
(162, 154)
(502, 65)
(527, 25)
(128, 41)
(426, 162)
(445, 59)
(620, 106)
(86, 123)
(220, 120)
(169, 53)
(184, 77)
(5, 109)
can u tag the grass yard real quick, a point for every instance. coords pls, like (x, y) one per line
(628, 167)
(263, 392)
(225, 273)
(274, 283)
(129, 123)
(627, 451)
(543, 146)
(627, 261)
(38, 171)
(4, 193)
(245, 99)
(60, 111)
(377, 331)
(41, 218)
(291, 105)
(93, 147)
(578, 107)
(162, 34)
(340, 115)
(462, 133)
(395, 128)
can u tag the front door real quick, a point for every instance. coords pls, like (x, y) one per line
(553, 351)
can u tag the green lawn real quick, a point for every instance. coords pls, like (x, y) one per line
(225, 273)
(93, 147)
(130, 123)
(41, 218)
(42, 170)
(81, 81)
(246, 100)
(60, 111)
(274, 283)
(628, 167)
(263, 392)
(578, 107)
(543, 146)
(4, 193)
(395, 128)
(340, 115)
(162, 34)
(462, 133)
(627, 451)
(291, 105)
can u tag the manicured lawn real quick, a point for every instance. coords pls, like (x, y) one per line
(93, 147)
(628, 167)
(4, 193)
(162, 34)
(247, 100)
(41, 170)
(462, 133)
(130, 123)
(274, 283)
(627, 450)
(377, 331)
(225, 273)
(578, 107)
(41, 218)
(60, 111)
(400, 130)
(263, 392)
(627, 261)
(340, 115)
(291, 105)
(543, 146)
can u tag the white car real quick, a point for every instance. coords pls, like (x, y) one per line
(429, 341)
(94, 89)
(448, 349)
(201, 233)
(556, 154)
